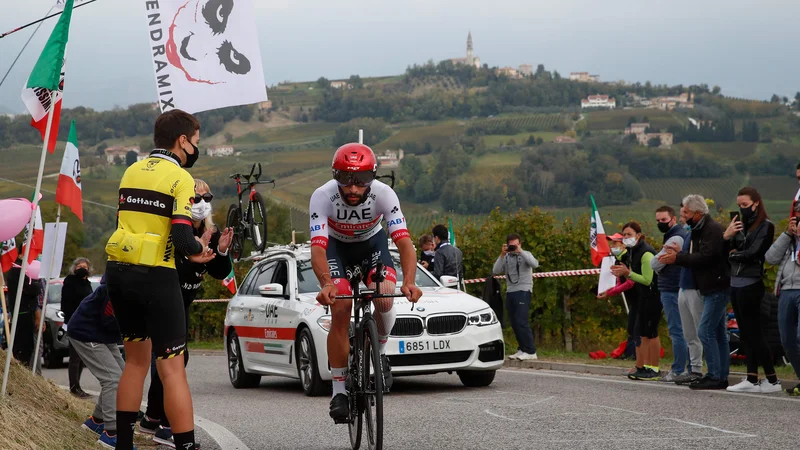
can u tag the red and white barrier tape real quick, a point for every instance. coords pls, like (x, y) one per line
(558, 273)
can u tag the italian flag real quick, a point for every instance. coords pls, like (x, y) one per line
(42, 91)
(38, 237)
(8, 254)
(597, 237)
(230, 281)
(68, 192)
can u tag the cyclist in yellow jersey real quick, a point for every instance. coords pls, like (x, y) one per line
(154, 221)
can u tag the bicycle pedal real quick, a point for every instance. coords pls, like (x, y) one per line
(341, 420)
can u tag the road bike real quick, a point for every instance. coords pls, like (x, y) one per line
(365, 377)
(253, 223)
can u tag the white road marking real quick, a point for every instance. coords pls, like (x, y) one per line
(221, 435)
(544, 373)
(712, 428)
(668, 438)
(619, 409)
(497, 415)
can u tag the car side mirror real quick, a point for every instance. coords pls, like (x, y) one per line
(449, 281)
(271, 290)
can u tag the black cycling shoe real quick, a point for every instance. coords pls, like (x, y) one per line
(387, 373)
(340, 408)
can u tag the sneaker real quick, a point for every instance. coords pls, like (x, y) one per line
(387, 373)
(148, 426)
(670, 377)
(649, 374)
(527, 356)
(108, 441)
(340, 408)
(687, 378)
(515, 355)
(707, 384)
(770, 388)
(91, 425)
(163, 436)
(745, 386)
(794, 392)
(637, 373)
(79, 393)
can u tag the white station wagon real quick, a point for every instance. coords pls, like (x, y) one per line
(275, 326)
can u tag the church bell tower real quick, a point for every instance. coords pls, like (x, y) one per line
(470, 59)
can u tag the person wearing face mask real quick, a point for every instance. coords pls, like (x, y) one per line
(709, 267)
(154, 228)
(76, 288)
(191, 276)
(428, 251)
(624, 284)
(668, 285)
(649, 314)
(747, 239)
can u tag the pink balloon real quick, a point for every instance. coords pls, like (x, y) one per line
(15, 213)
(34, 267)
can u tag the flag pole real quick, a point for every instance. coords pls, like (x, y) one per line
(42, 19)
(3, 300)
(24, 47)
(28, 246)
(46, 289)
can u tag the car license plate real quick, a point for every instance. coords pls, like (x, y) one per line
(435, 345)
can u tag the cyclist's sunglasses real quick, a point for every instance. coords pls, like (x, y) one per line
(345, 178)
(207, 197)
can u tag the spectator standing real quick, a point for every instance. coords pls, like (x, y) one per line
(428, 249)
(645, 281)
(448, 258)
(621, 255)
(517, 265)
(94, 335)
(27, 318)
(747, 240)
(669, 278)
(690, 305)
(709, 265)
(76, 288)
(190, 275)
(784, 252)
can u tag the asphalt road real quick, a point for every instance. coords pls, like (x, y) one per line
(521, 409)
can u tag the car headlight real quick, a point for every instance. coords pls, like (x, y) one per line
(324, 322)
(482, 318)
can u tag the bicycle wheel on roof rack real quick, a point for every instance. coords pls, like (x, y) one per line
(235, 222)
(258, 222)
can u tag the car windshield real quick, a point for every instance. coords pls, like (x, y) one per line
(307, 281)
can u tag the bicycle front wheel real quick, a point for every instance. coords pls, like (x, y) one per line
(372, 382)
(235, 222)
(258, 222)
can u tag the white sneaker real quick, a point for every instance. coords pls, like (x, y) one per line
(769, 388)
(515, 355)
(746, 386)
(526, 356)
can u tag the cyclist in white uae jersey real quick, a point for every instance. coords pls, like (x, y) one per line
(345, 217)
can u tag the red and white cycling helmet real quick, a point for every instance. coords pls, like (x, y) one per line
(354, 163)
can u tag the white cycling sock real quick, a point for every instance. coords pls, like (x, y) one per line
(339, 378)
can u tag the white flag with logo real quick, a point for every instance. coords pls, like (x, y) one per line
(205, 53)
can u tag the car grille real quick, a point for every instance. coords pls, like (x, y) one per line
(430, 358)
(407, 327)
(446, 324)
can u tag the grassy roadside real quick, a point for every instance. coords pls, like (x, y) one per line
(217, 344)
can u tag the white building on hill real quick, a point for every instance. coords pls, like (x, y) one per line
(599, 101)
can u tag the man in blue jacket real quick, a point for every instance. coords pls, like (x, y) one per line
(94, 334)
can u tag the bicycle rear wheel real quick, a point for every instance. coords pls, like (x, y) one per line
(258, 222)
(372, 383)
(235, 222)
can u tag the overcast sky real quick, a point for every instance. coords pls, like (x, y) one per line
(748, 48)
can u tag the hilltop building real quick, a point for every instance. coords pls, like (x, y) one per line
(525, 69)
(122, 152)
(599, 101)
(637, 128)
(220, 150)
(390, 158)
(666, 139)
(584, 77)
(471, 59)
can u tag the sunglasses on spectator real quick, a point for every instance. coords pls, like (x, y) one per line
(361, 179)
(207, 197)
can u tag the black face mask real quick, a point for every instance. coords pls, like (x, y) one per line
(747, 214)
(690, 221)
(81, 273)
(663, 227)
(191, 159)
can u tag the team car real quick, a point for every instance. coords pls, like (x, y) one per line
(275, 326)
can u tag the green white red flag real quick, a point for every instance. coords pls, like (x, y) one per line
(68, 192)
(597, 237)
(38, 237)
(230, 281)
(8, 254)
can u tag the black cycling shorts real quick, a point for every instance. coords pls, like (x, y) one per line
(649, 315)
(148, 304)
(366, 254)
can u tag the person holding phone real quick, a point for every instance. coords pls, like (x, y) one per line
(517, 265)
(747, 239)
